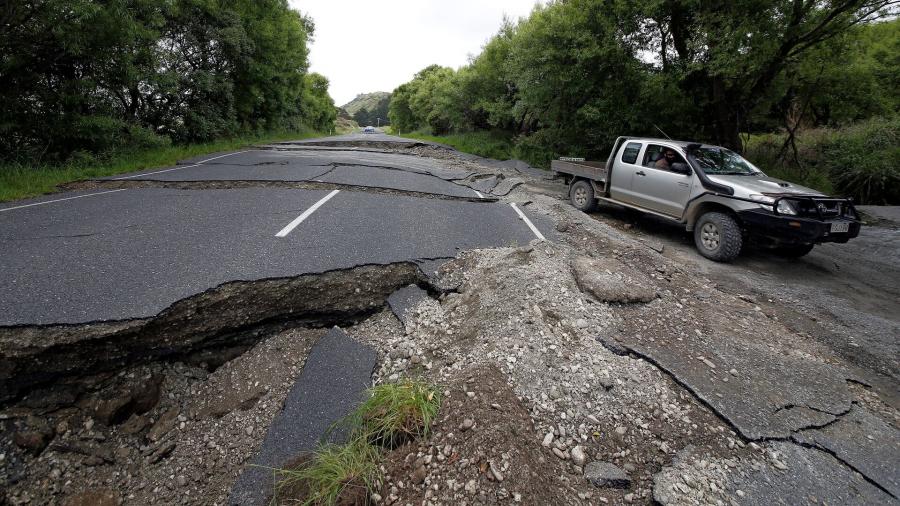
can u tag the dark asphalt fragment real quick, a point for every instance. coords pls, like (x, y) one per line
(404, 300)
(333, 382)
(506, 186)
(864, 442)
(755, 401)
(811, 476)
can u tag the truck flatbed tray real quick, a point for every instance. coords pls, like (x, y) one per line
(586, 169)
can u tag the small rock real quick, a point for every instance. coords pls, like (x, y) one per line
(32, 441)
(629, 498)
(162, 452)
(418, 476)
(162, 426)
(548, 439)
(559, 453)
(578, 457)
(466, 424)
(606, 475)
(134, 425)
(495, 471)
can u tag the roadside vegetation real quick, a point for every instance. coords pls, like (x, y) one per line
(94, 88)
(393, 414)
(489, 144)
(572, 76)
(22, 180)
(858, 161)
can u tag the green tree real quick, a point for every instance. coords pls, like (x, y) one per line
(727, 55)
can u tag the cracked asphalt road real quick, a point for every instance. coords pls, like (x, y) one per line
(116, 255)
(787, 356)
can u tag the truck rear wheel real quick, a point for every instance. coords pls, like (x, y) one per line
(581, 193)
(718, 237)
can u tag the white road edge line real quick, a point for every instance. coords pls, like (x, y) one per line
(156, 172)
(60, 200)
(478, 193)
(528, 222)
(299, 219)
(182, 166)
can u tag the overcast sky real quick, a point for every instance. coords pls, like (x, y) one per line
(364, 46)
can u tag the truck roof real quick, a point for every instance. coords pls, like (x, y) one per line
(681, 144)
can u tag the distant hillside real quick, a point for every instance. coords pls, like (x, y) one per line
(368, 101)
(370, 108)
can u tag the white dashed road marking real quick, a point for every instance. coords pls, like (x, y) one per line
(299, 219)
(528, 222)
(478, 193)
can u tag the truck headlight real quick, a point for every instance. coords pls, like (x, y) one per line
(786, 207)
(764, 201)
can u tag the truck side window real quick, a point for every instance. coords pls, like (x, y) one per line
(655, 157)
(630, 153)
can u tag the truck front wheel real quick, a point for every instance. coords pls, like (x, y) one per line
(718, 237)
(582, 196)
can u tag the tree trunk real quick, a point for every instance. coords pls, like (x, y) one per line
(727, 128)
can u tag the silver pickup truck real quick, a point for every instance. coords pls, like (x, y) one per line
(714, 193)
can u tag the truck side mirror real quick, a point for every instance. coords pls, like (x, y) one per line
(681, 168)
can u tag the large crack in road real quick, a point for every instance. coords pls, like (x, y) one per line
(231, 316)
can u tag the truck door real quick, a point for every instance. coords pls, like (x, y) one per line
(625, 165)
(658, 188)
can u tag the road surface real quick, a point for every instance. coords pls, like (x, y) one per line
(120, 254)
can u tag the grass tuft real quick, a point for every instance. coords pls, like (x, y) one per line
(334, 471)
(396, 412)
(393, 414)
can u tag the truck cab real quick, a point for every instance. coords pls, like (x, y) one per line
(713, 192)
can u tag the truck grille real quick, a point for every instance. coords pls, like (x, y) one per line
(824, 208)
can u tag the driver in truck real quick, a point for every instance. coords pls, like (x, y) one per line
(665, 162)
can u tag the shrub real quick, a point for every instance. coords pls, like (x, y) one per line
(862, 161)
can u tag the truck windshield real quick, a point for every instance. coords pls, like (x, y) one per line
(715, 160)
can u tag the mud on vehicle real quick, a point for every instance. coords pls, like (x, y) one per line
(713, 192)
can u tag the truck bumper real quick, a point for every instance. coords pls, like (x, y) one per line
(793, 230)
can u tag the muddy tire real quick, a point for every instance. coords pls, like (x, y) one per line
(795, 251)
(718, 237)
(581, 194)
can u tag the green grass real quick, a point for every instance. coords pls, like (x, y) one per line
(392, 413)
(333, 470)
(18, 181)
(396, 411)
(482, 143)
